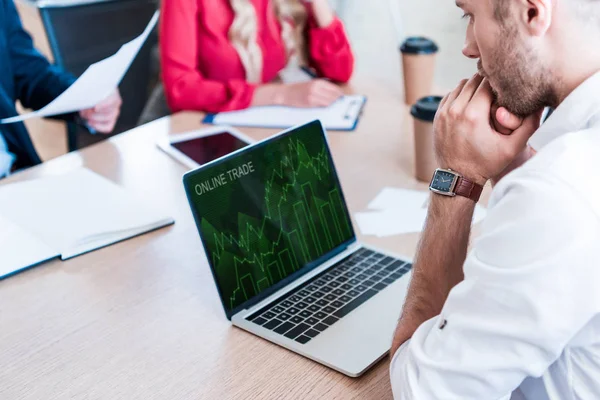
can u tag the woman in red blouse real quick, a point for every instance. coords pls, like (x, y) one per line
(221, 55)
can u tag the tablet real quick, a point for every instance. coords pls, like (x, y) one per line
(200, 147)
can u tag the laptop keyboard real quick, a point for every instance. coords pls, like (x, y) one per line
(310, 309)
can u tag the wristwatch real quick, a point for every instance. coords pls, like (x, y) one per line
(450, 183)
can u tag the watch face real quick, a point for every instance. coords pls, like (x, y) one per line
(442, 181)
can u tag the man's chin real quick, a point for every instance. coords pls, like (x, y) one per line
(501, 101)
(495, 93)
(514, 109)
(509, 107)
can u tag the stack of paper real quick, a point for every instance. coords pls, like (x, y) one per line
(67, 215)
(342, 115)
(397, 211)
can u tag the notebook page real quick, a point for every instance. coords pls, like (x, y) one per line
(341, 115)
(78, 212)
(20, 249)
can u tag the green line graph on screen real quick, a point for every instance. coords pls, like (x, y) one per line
(302, 218)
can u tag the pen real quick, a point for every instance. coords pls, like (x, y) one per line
(310, 72)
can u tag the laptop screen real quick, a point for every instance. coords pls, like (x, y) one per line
(269, 212)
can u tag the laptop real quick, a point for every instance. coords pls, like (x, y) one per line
(285, 258)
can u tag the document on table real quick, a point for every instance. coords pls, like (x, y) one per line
(20, 249)
(69, 215)
(95, 84)
(342, 115)
(398, 211)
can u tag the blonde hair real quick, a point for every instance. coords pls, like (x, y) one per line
(243, 32)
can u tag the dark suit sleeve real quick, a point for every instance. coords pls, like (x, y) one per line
(37, 82)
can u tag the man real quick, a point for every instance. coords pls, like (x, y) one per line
(28, 77)
(520, 314)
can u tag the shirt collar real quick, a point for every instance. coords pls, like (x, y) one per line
(573, 114)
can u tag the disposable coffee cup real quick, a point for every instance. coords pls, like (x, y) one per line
(423, 113)
(418, 63)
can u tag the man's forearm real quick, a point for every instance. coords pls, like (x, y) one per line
(438, 263)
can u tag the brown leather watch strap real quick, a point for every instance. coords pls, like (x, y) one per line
(468, 189)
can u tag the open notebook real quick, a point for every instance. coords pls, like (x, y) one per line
(66, 216)
(342, 115)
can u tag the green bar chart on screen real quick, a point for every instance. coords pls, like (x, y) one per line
(269, 212)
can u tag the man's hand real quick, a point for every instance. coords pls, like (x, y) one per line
(505, 123)
(468, 142)
(104, 115)
(521, 158)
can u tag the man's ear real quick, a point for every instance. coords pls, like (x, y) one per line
(535, 15)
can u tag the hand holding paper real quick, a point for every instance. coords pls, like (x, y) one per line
(103, 117)
(96, 84)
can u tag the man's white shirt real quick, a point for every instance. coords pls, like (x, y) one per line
(526, 319)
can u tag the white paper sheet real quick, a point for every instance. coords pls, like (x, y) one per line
(20, 249)
(78, 212)
(398, 211)
(95, 84)
(390, 222)
(392, 198)
(341, 115)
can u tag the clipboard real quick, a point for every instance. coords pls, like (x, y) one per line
(343, 115)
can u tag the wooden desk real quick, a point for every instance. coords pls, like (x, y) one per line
(142, 319)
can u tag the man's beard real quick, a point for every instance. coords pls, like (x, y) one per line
(519, 83)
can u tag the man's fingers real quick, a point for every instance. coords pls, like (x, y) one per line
(108, 106)
(481, 102)
(111, 102)
(443, 102)
(507, 119)
(101, 119)
(500, 129)
(103, 122)
(521, 135)
(85, 114)
(453, 95)
(104, 113)
(467, 93)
